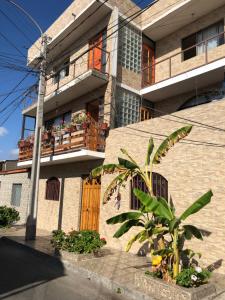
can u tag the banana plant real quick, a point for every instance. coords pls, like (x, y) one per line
(156, 218)
(128, 168)
(169, 224)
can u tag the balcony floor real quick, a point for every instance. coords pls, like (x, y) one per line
(77, 156)
(87, 82)
(201, 77)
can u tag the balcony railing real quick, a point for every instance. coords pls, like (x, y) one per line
(89, 136)
(176, 65)
(96, 58)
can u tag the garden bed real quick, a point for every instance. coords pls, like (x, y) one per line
(163, 290)
(84, 256)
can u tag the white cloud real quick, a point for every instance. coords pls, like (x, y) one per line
(3, 131)
(14, 153)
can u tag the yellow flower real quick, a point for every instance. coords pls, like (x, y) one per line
(156, 260)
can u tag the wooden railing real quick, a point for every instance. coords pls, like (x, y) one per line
(171, 68)
(90, 136)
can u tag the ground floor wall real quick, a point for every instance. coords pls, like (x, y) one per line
(192, 167)
(6, 184)
(65, 213)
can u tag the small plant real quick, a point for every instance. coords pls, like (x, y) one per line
(79, 118)
(193, 277)
(84, 241)
(8, 216)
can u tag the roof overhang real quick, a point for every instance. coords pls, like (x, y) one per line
(89, 81)
(95, 11)
(206, 75)
(77, 156)
(177, 16)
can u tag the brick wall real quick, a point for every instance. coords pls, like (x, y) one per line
(190, 168)
(7, 181)
(66, 211)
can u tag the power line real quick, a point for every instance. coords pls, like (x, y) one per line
(18, 28)
(12, 44)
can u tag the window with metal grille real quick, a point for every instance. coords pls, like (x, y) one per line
(160, 188)
(127, 107)
(130, 44)
(52, 189)
(16, 194)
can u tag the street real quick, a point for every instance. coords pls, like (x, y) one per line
(29, 275)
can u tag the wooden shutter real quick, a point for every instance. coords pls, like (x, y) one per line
(160, 188)
(52, 189)
(95, 53)
(148, 67)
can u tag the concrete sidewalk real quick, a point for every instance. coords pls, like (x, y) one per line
(115, 270)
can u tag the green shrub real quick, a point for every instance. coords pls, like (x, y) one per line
(84, 241)
(8, 216)
(193, 277)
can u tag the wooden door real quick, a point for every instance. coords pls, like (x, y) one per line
(148, 67)
(95, 53)
(90, 205)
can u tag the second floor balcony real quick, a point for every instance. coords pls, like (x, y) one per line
(74, 78)
(197, 66)
(69, 143)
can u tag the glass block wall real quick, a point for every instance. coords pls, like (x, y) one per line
(130, 44)
(127, 107)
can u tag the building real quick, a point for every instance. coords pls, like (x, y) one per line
(140, 76)
(14, 187)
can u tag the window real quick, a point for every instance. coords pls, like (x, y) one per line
(16, 194)
(207, 38)
(63, 71)
(52, 189)
(130, 43)
(160, 188)
(60, 120)
(127, 106)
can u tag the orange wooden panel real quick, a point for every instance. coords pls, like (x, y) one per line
(95, 54)
(90, 205)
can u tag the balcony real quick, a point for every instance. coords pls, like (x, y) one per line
(167, 17)
(86, 73)
(173, 75)
(62, 145)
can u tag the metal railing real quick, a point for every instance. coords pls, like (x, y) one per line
(151, 71)
(96, 58)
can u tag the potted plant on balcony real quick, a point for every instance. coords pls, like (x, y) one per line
(79, 120)
(104, 126)
(21, 143)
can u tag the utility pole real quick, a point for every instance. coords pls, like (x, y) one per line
(35, 171)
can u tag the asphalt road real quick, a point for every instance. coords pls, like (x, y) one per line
(28, 275)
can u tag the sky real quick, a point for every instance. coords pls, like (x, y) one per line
(16, 48)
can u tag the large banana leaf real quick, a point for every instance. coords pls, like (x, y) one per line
(150, 203)
(106, 169)
(190, 231)
(197, 205)
(124, 151)
(117, 181)
(149, 151)
(127, 164)
(169, 142)
(132, 215)
(126, 227)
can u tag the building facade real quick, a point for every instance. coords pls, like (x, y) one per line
(116, 76)
(15, 188)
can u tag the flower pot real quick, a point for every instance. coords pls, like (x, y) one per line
(78, 126)
(104, 126)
